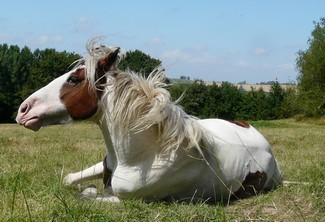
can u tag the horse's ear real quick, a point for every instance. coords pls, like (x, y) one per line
(106, 63)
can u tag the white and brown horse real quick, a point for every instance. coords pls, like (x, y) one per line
(155, 151)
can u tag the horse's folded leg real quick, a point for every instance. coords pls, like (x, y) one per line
(74, 179)
(91, 173)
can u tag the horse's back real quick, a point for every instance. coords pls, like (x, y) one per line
(234, 133)
(240, 151)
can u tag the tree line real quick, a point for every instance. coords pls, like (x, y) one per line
(226, 101)
(23, 71)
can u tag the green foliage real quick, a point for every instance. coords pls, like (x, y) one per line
(255, 106)
(311, 66)
(275, 99)
(139, 62)
(230, 101)
(48, 64)
(209, 101)
(14, 70)
(196, 99)
(213, 96)
(226, 101)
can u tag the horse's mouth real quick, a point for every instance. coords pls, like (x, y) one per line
(33, 123)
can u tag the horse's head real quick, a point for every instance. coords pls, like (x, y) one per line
(73, 96)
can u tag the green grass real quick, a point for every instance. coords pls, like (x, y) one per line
(32, 166)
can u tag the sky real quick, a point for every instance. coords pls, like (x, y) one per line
(212, 40)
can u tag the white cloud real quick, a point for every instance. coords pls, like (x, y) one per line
(44, 39)
(85, 20)
(232, 53)
(174, 55)
(286, 66)
(260, 51)
(190, 57)
(266, 66)
(198, 48)
(155, 41)
(242, 64)
(205, 58)
(5, 37)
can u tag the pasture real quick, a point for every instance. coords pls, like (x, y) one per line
(33, 165)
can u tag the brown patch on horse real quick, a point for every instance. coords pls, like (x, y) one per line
(81, 102)
(80, 99)
(240, 123)
(252, 185)
(107, 174)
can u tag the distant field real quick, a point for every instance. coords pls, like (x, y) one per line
(243, 86)
(249, 87)
(33, 164)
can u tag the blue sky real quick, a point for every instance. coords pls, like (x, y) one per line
(247, 40)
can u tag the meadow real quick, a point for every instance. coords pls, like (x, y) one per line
(34, 163)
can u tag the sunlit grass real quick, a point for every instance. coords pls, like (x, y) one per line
(32, 166)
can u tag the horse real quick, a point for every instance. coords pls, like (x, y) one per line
(155, 150)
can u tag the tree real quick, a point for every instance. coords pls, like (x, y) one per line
(48, 64)
(275, 99)
(14, 70)
(289, 106)
(213, 98)
(255, 105)
(139, 62)
(230, 101)
(195, 98)
(311, 66)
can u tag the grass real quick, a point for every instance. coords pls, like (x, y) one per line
(33, 164)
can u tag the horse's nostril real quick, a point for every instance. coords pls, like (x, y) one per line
(24, 108)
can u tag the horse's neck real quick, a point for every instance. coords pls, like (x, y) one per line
(137, 148)
(111, 157)
(134, 149)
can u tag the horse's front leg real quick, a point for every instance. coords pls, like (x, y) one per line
(97, 171)
(91, 173)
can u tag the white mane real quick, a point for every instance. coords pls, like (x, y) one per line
(97, 51)
(138, 103)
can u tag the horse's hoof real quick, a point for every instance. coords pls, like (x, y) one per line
(68, 180)
(90, 192)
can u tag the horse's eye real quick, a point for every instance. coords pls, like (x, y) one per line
(73, 80)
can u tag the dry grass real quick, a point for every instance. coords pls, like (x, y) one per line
(32, 165)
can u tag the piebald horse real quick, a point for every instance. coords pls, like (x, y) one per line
(155, 151)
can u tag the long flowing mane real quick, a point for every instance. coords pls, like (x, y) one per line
(139, 103)
(134, 103)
